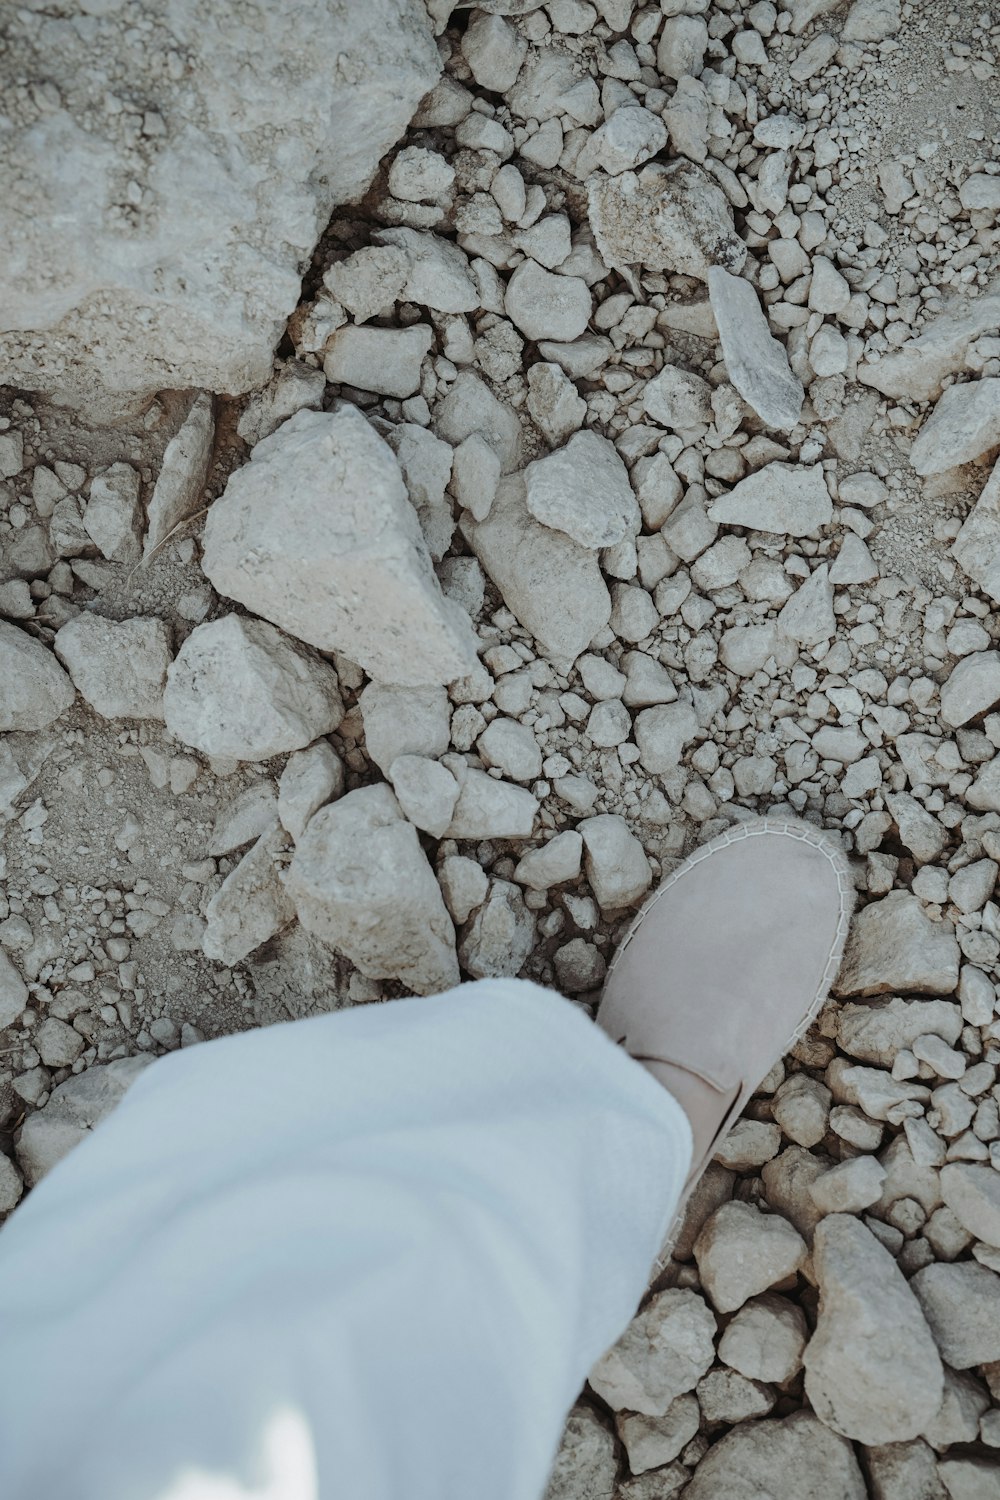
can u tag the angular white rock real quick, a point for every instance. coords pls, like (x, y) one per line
(917, 370)
(404, 721)
(180, 483)
(664, 1351)
(765, 1339)
(662, 733)
(583, 490)
(964, 424)
(252, 903)
(113, 519)
(554, 403)
(546, 306)
(872, 1368)
(741, 1252)
(972, 688)
(437, 274)
(973, 1195)
(554, 863)
(241, 690)
(341, 562)
(120, 668)
(310, 779)
(666, 218)
(756, 363)
(787, 498)
(425, 790)
(361, 882)
(491, 809)
(808, 617)
(198, 299)
(977, 546)
(500, 936)
(34, 689)
(894, 946)
(794, 1459)
(678, 399)
(384, 360)
(74, 1108)
(552, 584)
(511, 748)
(617, 869)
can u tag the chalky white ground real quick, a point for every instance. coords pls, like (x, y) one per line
(628, 467)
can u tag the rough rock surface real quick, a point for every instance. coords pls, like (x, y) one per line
(755, 362)
(552, 584)
(240, 689)
(777, 498)
(665, 218)
(120, 668)
(36, 690)
(961, 1303)
(741, 1252)
(893, 945)
(361, 882)
(583, 490)
(872, 1368)
(75, 1107)
(663, 1353)
(148, 295)
(794, 1459)
(342, 564)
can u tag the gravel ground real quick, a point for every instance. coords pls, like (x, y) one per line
(628, 468)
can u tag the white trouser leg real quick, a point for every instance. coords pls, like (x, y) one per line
(366, 1256)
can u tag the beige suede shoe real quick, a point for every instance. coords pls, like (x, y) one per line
(727, 965)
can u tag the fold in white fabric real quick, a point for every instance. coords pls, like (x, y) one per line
(366, 1256)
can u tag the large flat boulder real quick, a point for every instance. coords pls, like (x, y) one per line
(183, 221)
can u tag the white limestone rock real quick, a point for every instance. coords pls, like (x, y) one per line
(475, 475)
(554, 403)
(756, 363)
(679, 399)
(917, 371)
(741, 1252)
(119, 667)
(437, 271)
(425, 790)
(554, 863)
(552, 584)
(491, 809)
(808, 617)
(973, 1195)
(583, 490)
(510, 748)
(470, 406)
(241, 690)
(464, 884)
(500, 935)
(977, 546)
(73, 1109)
(666, 218)
(113, 518)
(651, 1442)
(797, 1458)
(765, 1339)
(663, 1353)
(617, 869)
(404, 721)
(148, 295)
(961, 1302)
(341, 562)
(311, 778)
(13, 991)
(35, 689)
(872, 1368)
(586, 1465)
(893, 945)
(544, 305)
(963, 426)
(180, 484)
(361, 882)
(252, 903)
(293, 386)
(425, 463)
(972, 688)
(622, 143)
(787, 498)
(662, 733)
(384, 360)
